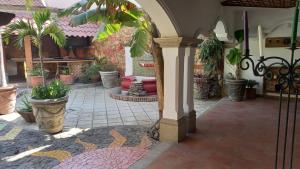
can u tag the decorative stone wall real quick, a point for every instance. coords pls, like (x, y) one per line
(113, 48)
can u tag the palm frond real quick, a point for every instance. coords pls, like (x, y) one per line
(109, 29)
(139, 43)
(75, 8)
(22, 29)
(40, 17)
(55, 33)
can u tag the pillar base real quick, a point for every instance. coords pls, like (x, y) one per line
(191, 121)
(172, 130)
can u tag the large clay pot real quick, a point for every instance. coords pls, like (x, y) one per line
(110, 79)
(126, 82)
(7, 99)
(150, 86)
(201, 88)
(27, 116)
(63, 52)
(236, 89)
(36, 81)
(67, 79)
(49, 114)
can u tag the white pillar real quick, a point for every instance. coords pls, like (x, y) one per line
(128, 62)
(3, 81)
(188, 93)
(173, 124)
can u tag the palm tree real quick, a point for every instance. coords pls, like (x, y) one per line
(42, 25)
(115, 14)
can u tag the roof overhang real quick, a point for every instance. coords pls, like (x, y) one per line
(5, 18)
(260, 3)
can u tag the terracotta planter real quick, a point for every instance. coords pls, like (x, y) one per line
(236, 89)
(80, 53)
(36, 81)
(49, 114)
(126, 82)
(110, 79)
(95, 78)
(67, 79)
(150, 86)
(63, 52)
(7, 100)
(250, 93)
(27, 116)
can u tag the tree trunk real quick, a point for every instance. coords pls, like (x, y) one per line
(42, 63)
(159, 69)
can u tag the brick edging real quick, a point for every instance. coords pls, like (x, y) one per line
(134, 98)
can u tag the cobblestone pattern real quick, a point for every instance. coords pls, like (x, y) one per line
(31, 149)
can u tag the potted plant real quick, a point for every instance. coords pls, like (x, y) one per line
(93, 73)
(42, 25)
(250, 89)
(25, 110)
(201, 86)
(236, 86)
(210, 55)
(66, 77)
(48, 104)
(109, 76)
(37, 76)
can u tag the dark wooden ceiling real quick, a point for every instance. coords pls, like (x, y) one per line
(260, 3)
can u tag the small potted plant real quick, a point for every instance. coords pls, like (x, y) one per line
(236, 86)
(109, 76)
(36, 76)
(66, 77)
(48, 104)
(25, 110)
(93, 73)
(250, 89)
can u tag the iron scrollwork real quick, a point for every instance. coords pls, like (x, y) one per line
(288, 79)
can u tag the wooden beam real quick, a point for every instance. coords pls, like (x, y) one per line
(28, 54)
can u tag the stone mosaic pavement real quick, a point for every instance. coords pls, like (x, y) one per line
(104, 147)
(92, 107)
(99, 132)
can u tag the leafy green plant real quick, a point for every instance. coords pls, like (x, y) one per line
(234, 56)
(37, 71)
(93, 70)
(65, 71)
(43, 25)
(211, 55)
(251, 83)
(54, 90)
(25, 105)
(109, 68)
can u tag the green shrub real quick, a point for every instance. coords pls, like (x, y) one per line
(93, 70)
(37, 71)
(65, 71)
(251, 83)
(25, 105)
(54, 90)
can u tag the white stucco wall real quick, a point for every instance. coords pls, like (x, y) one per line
(275, 23)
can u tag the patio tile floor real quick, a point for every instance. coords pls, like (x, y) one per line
(93, 107)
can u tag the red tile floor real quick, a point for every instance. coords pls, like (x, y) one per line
(230, 136)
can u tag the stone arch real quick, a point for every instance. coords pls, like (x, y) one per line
(158, 13)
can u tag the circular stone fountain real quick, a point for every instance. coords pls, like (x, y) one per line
(135, 89)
